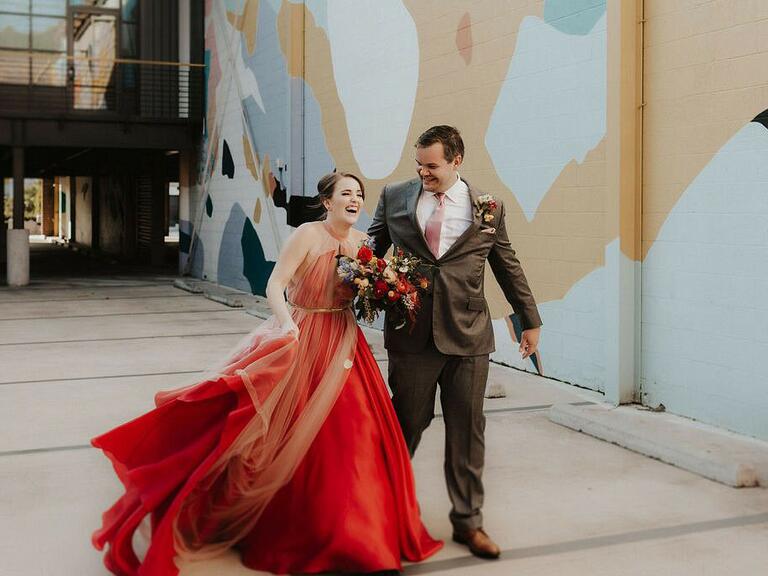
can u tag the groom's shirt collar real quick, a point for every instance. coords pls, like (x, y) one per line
(455, 192)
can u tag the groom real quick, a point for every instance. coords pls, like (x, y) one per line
(454, 229)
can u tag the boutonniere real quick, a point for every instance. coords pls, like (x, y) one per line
(484, 205)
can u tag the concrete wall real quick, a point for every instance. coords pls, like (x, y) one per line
(527, 84)
(64, 207)
(112, 214)
(705, 226)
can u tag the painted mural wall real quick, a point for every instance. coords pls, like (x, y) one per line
(350, 84)
(524, 82)
(705, 214)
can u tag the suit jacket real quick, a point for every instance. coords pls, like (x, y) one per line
(454, 311)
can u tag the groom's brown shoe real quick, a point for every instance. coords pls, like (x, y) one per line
(479, 543)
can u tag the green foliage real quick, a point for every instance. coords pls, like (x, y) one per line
(33, 199)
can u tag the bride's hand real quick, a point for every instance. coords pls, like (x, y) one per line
(291, 327)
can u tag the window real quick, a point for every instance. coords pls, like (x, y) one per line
(14, 67)
(14, 31)
(49, 33)
(15, 6)
(98, 3)
(49, 7)
(49, 69)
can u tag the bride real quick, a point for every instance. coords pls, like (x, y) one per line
(290, 452)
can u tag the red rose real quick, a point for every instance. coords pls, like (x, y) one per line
(380, 288)
(381, 264)
(364, 254)
(393, 296)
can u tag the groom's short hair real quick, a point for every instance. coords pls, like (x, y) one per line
(448, 136)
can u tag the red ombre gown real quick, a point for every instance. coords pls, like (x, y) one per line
(290, 452)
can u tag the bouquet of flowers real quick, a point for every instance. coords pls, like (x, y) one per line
(393, 285)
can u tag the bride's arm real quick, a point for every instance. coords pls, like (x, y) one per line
(291, 256)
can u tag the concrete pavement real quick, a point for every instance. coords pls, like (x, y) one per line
(79, 356)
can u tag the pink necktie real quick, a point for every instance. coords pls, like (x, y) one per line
(435, 224)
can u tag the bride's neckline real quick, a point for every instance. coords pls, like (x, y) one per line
(333, 234)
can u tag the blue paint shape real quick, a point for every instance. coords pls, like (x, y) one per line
(255, 266)
(268, 127)
(184, 241)
(209, 206)
(235, 6)
(198, 258)
(230, 261)
(319, 10)
(575, 17)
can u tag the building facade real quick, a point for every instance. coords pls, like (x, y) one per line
(102, 100)
(628, 140)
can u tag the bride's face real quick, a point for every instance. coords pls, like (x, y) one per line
(346, 202)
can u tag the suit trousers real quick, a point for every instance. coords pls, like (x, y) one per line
(414, 378)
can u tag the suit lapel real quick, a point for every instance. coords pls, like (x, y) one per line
(473, 228)
(412, 202)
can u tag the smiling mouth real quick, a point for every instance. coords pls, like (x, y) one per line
(352, 210)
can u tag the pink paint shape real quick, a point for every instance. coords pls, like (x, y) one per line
(464, 38)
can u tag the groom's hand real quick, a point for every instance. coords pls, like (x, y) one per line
(529, 342)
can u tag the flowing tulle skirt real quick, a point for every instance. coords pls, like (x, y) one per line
(350, 505)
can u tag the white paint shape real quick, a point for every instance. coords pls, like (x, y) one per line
(229, 38)
(375, 54)
(572, 340)
(551, 108)
(705, 294)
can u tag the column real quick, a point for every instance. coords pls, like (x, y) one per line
(623, 203)
(73, 209)
(3, 230)
(48, 192)
(18, 238)
(159, 191)
(95, 211)
(185, 226)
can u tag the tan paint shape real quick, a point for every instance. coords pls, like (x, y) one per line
(257, 211)
(249, 24)
(704, 80)
(268, 180)
(251, 161)
(566, 239)
(290, 24)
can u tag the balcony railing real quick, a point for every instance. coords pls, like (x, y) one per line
(44, 85)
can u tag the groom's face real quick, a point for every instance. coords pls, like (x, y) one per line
(437, 174)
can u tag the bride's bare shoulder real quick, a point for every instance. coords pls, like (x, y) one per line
(309, 230)
(358, 235)
(304, 236)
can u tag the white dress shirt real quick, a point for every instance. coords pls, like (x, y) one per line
(458, 213)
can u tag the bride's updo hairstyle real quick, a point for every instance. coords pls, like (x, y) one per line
(326, 186)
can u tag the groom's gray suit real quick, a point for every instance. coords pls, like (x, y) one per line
(452, 337)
